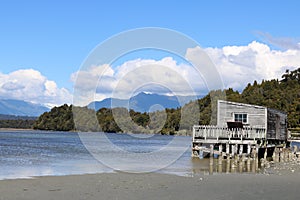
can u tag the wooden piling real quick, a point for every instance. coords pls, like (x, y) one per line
(228, 164)
(227, 149)
(248, 164)
(248, 149)
(220, 149)
(220, 164)
(211, 151)
(232, 150)
(241, 150)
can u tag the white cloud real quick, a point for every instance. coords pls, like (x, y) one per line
(30, 85)
(164, 76)
(234, 65)
(239, 65)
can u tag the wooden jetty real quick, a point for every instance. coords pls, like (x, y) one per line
(241, 130)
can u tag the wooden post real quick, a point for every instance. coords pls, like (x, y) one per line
(220, 164)
(265, 153)
(220, 149)
(254, 150)
(211, 150)
(276, 155)
(227, 164)
(227, 149)
(254, 165)
(211, 165)
(249, 164)
(232, 150)
(234, 164)
(283, 156)
(241, 149)
(248, 149)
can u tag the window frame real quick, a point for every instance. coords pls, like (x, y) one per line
(242, 117)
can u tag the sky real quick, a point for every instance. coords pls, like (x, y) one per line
(44, 44)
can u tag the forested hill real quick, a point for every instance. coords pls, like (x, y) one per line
(19, 122)
(281, 94)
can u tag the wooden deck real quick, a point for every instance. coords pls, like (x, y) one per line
(228, 141)
(214, 134)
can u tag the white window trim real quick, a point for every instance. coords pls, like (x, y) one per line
(247, 119)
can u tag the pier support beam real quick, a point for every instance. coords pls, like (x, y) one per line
(220, 149)
(241, 150)
(211, 150)
(227, 149)
(248, 149)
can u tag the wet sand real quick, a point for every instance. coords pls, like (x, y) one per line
(155, 186)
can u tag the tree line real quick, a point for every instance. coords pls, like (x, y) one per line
(19, 122)
(281, 94)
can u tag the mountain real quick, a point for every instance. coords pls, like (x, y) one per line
(15, 117)
(21, 108)
(143, 102)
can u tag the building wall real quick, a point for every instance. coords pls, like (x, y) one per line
(277, 125)
(256, 114)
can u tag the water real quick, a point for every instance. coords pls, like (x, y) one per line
(25, 154)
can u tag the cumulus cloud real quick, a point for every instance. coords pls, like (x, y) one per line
(233, 66)
(30, 85)
(239, 65)
(164, 76)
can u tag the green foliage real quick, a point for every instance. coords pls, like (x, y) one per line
(12, 121)
(282, 95)
(58, 119)
(17, 123)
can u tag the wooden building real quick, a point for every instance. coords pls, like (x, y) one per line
(242, 127)
(273, 121)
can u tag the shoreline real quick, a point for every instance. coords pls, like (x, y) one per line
(16, 129)
(152, 186)
(279, 181)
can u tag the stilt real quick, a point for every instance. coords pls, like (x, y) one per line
(220, 164)
(211, 165)
(236, 149)
(265, 153)
(211, 150)
(227, 164)
(241, 150)
(220, 149)
(234, 165)
(248, 164)
(276, 155)
(248, 149)
(241, 165)
(232, 150)
(227, 149)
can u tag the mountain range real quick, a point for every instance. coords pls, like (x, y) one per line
(143, 102)
(21, 108)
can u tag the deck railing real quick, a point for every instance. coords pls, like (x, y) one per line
(215, 132)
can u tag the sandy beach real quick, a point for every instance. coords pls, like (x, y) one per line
(156, 186)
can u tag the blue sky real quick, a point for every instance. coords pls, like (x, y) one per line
(54, 37)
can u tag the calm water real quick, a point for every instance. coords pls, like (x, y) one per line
(39, 153)
(25, 154)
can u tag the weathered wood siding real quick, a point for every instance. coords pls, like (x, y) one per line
(277, 125)
(256, 114)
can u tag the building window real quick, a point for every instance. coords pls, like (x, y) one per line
(240, 117)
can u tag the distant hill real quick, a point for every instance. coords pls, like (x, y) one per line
(143, 102)
(281, 94)
(14, 117)
(21, 108)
